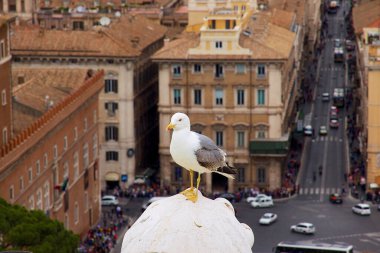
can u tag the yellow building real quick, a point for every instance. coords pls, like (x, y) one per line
(235, 76)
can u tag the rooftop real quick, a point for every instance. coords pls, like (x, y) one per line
(41, 89)
(365, 14)
(126, 37)
(296, 6)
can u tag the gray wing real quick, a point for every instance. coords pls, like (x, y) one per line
(209, 155)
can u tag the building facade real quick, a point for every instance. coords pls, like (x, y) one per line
(128, 117)
(236, 78)
(52, 164)
(5, 84)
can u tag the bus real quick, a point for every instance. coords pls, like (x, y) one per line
(308, 247)
(338, 97)
(338, 54)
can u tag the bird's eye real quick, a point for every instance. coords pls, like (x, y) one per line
(180, 120)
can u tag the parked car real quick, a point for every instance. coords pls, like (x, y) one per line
(230, 197)
(350, 45)
(303, 227)
(263, 202)
(268, 218)
(308, 130)
(336, 198)
(333, 115)
(334, 123)
(337, 43)
(109, 200)
(333, 109)
(325, 97)
(362, 209)
(322, 130)
(149, 202)
(250, 199)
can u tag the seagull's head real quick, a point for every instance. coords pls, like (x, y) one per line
(179, 121)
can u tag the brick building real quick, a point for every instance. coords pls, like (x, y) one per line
(51, 163)
(128, 119)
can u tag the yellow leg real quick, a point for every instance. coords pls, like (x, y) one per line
(189, 193)
(191, 179)
(198, 180)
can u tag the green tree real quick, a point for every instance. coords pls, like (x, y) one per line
(21, 229)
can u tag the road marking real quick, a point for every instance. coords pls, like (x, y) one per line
(316, 190)
(322, 191)
(327, 191)
(301, 191)
(311, 190)
(306, 190)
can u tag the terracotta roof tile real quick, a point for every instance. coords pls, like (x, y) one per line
(39, 83)
(296, 6)
(115, 41)
(90, 3)
(365, 14)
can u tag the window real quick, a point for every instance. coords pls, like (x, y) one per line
(240, 96)
(176, 70)
(5, 135)
(111, 108)
(228, 24)
(46, 196)
(3, 97)
(30, 174)
(66, 170)
(38, 167)
(260, 71)
(20, 79)
(240, 68)
(197, 96)
(85, 201)
(11, 192)
(66, 222)
(39, 199)
(218, 44)
(213, 24)
(86, 160)
(243, 8)
(78, 25)
(112, 133)
(261, 175)
(2, 49)
(76, 213)
(219, 96)
(112, 156)
(46, 162)
(260, 97)
(197, 68)
(240, 139)
(55, 152)
(75, 133)
(178, 174)
(85, 125)
(65, 143)
(76, 165)
(95, 146)
(31, 202)
(110, 85)
(261, 133)
(241, 175)
(177, 96)
(218, 70)
(219, 138)
(21, 181)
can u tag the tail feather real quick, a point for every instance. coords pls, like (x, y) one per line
(225, 174)
(227, 171)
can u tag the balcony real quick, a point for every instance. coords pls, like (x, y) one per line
(266, 147)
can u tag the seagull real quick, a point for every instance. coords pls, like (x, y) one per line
(196, 152)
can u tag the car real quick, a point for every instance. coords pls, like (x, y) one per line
(250, 199)
(229, 196)
(334, 123)
(325, 97)
(322, 130)
(333, 109)
(337, 43)
(109, 200)
(262, 202)
(304, 228)
(350, 45)
(336, 198)
(308, 130)
(333, 115)
(268, 218)
(362, 209)
(149, 202)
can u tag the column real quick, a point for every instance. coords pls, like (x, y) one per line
(5, 6)
(18, 6)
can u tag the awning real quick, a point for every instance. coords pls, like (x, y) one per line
(112, 176)
(373, 185)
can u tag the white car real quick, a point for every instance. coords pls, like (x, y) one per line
(250, 199)
(325, 97)
(303, 227)
(308, 130)
(268, 218)
(109, 200)
(362, 209)
(266, 201)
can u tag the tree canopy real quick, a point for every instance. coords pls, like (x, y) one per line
(33, 231)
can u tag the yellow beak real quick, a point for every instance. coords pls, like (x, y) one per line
(170, 127)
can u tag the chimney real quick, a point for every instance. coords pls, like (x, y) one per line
(135, 41)
(166, 41)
